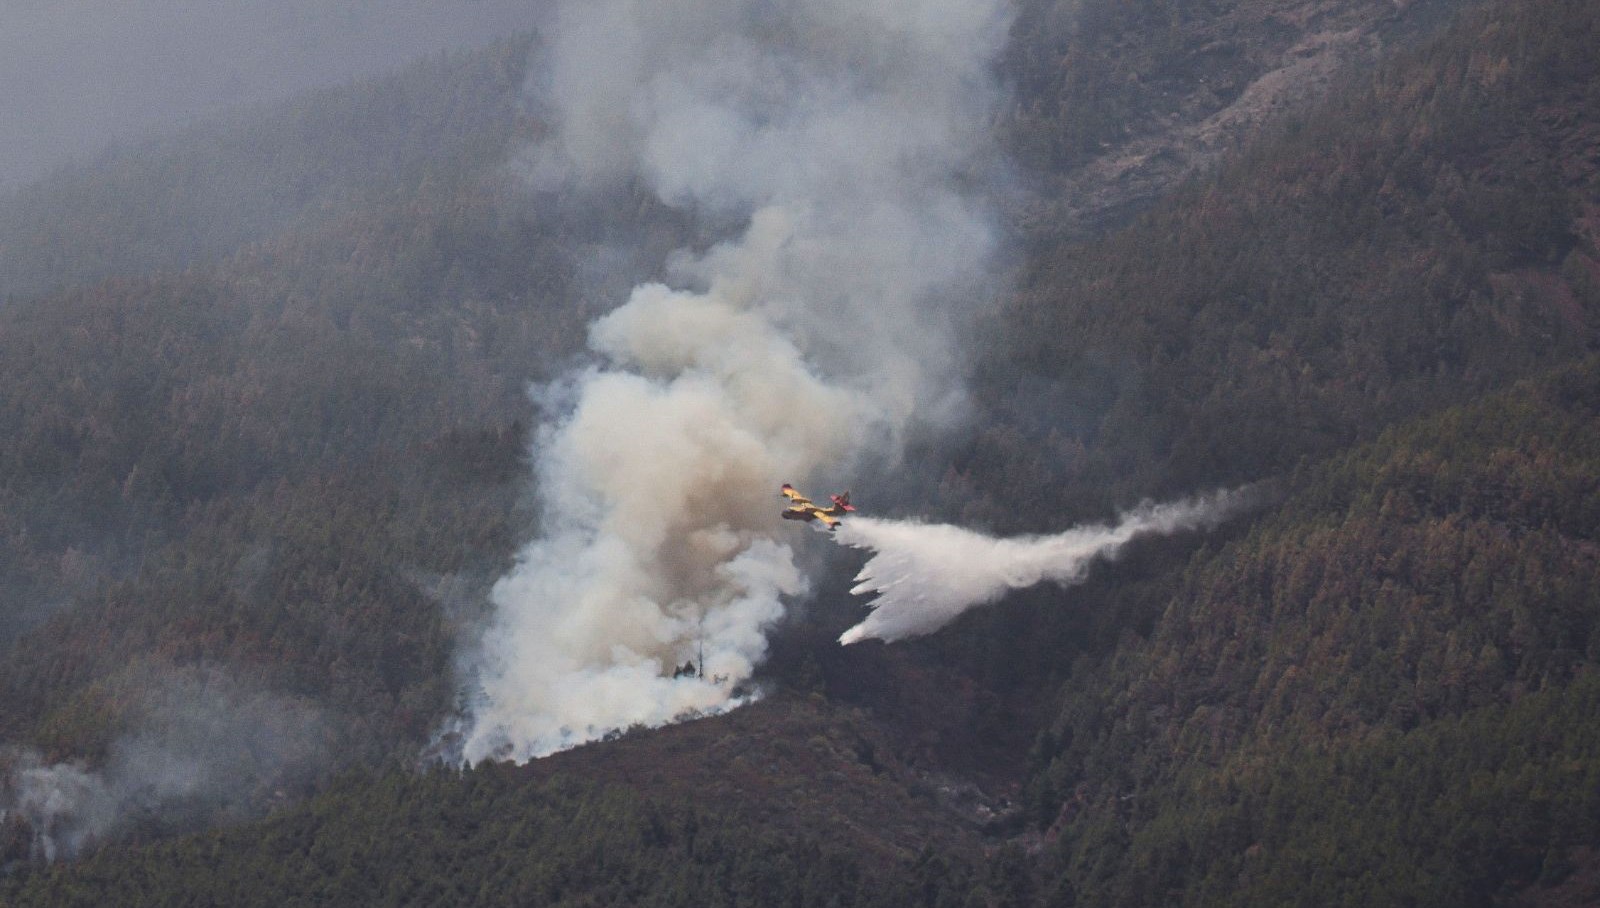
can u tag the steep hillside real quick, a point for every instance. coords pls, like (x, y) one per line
(324, 421)
(252, 492)
(1386, 690)
(1424, 238)
(1383, 692)
(1117, 103)
(788, 802)
(274, 485)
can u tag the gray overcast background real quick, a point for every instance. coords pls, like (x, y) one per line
(77, 75)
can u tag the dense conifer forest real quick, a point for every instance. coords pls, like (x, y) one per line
(264, 426)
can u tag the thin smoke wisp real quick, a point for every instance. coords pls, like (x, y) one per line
(203, 749)
(923, 576)
(847, 145)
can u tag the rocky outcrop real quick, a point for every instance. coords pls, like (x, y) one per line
(1180, 91)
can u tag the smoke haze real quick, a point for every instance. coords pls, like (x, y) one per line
(923, 576)
(79, 75)
(203, 750)
(848, 142)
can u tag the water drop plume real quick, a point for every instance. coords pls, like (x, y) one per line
(923, 576)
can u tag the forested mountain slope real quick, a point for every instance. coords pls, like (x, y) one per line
(249, 506)
(792, 801)
(1116, 103)
(270, 488)
(1422, 238)
(1385, 692)
(225, 465)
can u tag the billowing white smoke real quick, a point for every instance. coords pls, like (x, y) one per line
(925, 575)
(848, 139)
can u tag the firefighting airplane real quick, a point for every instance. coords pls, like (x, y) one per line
(802, 508)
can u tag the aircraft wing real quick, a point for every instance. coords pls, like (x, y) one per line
(801, 508)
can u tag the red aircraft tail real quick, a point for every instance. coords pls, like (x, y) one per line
(842, 501)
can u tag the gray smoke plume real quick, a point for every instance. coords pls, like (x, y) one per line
(925, 575)
(848, 140)
(63, 805)
(203, 750)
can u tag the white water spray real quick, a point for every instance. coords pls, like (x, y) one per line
(925, 575)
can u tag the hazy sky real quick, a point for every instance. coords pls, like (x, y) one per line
(76, 75)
